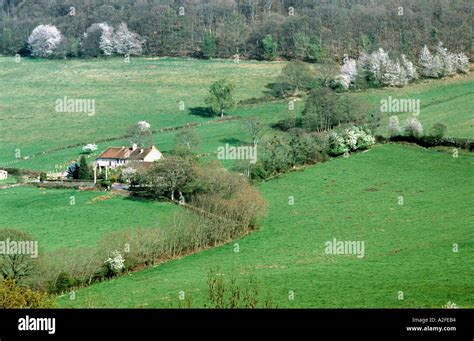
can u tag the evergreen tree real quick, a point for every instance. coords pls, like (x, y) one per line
(209, 47)
(73, 171)
(269, 48)
(83, 172)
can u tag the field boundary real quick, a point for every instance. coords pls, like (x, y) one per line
(219, 120)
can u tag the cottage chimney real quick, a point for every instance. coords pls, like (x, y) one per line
(134, 146)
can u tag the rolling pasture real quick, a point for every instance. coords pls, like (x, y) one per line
(69, 219)
(151, 90)
(408, 247)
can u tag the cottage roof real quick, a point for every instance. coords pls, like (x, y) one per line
(134, 153)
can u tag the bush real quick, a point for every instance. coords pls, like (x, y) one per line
(394, 126)
(18, 265)
(431, 141)
(232, 294)
(106, 184)
(295, 77)
(115, 263)
(438, 130)
(413, 127)
(63, 282)
(348, 140)
(65, 268)
(43, 176)
(13, 296)
(43, 40)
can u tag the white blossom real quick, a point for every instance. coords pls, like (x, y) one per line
(43, 40)
(394, 125)
(394, 75)
(115, 263)
(461, 62)
(143, 125)
(106, 39)
(410, 69)
(348, 73)
(90, 147)
(350, 139)
(443, 63)
(426, 63)
(413, 127)
(446, 58)
(450, 305)
(378, 67)
(127, 42)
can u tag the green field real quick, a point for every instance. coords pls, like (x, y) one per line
(49, 216)
(150, 89)
(124, 93)
(408, 247)
(448, 101)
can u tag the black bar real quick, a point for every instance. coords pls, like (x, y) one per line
(355, 322)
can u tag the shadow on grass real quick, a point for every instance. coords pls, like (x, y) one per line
(232, 141)
(201, 111)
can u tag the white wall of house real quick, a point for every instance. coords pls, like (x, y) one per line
(153, 155)
(111, 163)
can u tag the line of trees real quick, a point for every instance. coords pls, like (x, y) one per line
(261, 29)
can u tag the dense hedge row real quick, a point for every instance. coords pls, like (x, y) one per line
(432, 141)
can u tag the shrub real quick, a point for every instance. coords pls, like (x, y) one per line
(296, 76)
(443, 63)
(43, 176)
(115, 263)
(438, 130)
(269, 48)
(106, 184)
(336, 145)
(17, 265)
(348, 73)
(43, 40)
(347, 140)
(63, 282)
(378, 69)
(413, 127)
(64, 268)
(126, 42)
(232, 293)
(394, 125)
(13, 296)
(98, 40)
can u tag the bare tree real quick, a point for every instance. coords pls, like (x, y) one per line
(188, 138)
(254, 129)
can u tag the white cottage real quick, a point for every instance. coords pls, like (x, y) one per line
(3, 174)
(115, 157)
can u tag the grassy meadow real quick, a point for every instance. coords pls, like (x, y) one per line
(124, 93)
(150, 89)
(408, 247)
(70, 218)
